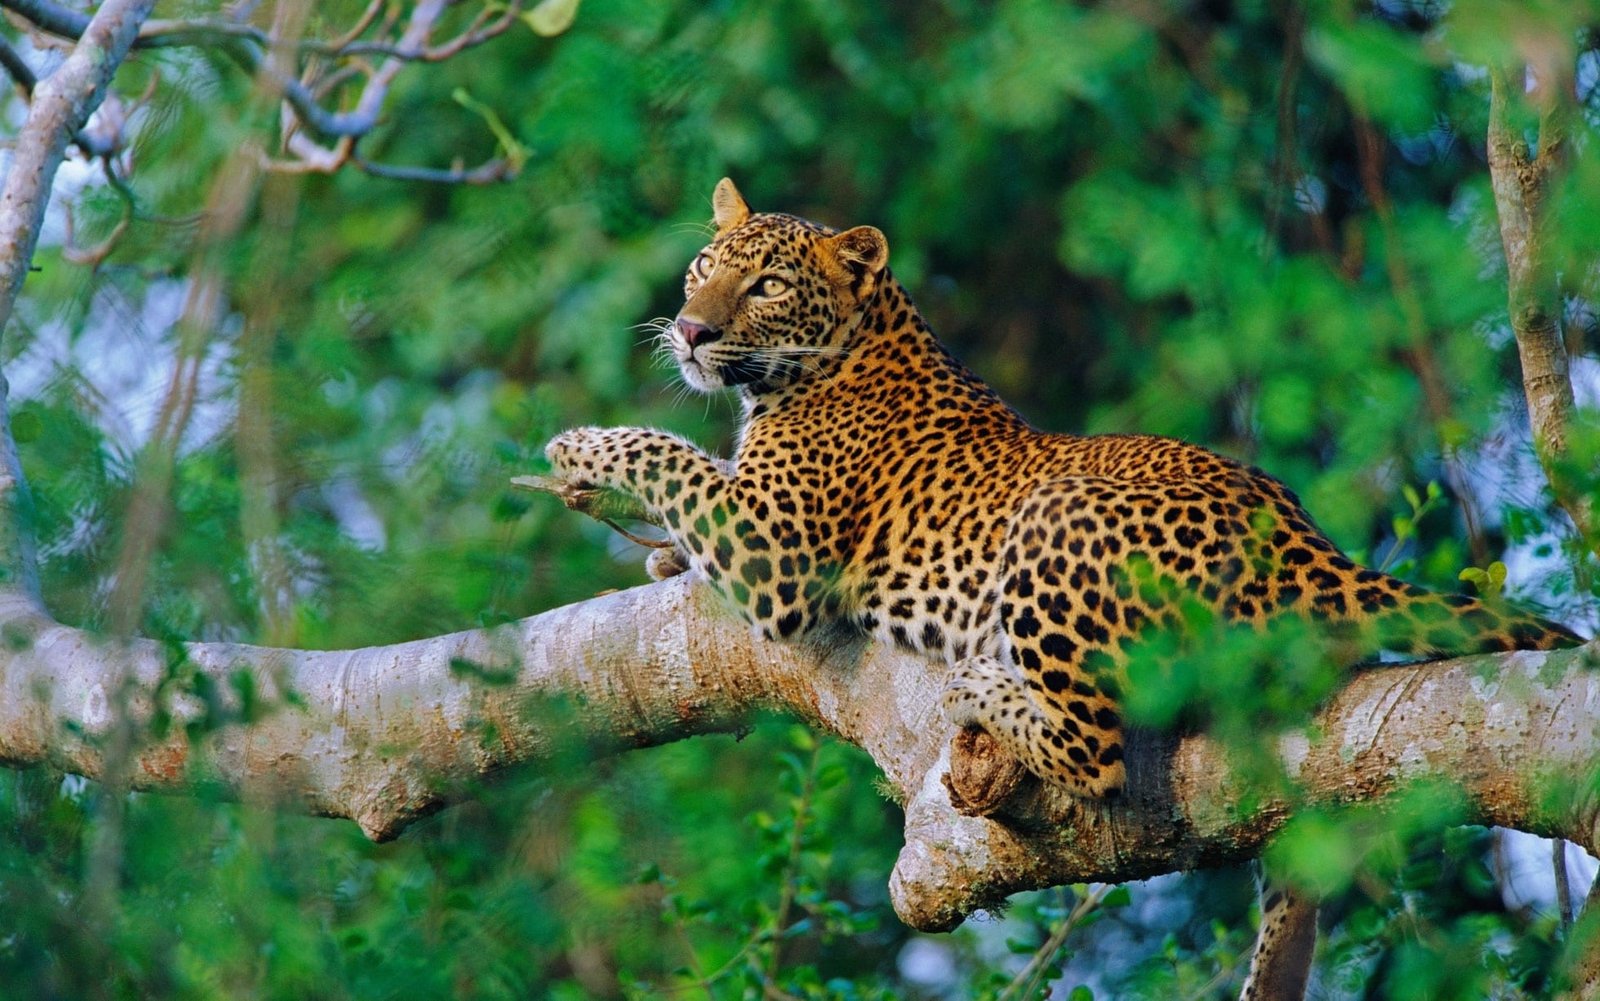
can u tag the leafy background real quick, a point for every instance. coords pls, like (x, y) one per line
(1263, 226)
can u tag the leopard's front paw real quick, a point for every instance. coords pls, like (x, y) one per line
(666, 563)
(579, 457)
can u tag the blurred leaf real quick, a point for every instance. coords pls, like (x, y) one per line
(551, 17)
(1381, 71)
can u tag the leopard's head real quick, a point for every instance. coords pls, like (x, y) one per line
(772, 298)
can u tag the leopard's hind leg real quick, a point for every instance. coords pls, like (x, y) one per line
(987, 692)
(1050, 697)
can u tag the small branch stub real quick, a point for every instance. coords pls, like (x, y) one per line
(606, 506)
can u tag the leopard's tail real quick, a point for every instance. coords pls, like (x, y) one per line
(1413, 621)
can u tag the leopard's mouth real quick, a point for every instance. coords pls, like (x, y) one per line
(711, 373)
(698, 374)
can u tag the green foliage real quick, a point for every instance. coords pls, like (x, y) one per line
(1264, 227)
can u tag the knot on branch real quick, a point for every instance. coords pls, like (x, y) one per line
(982, 774)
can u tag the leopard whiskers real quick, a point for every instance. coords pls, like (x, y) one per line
(659, 327)
(707, 229)
(799, 358)
(660, 338)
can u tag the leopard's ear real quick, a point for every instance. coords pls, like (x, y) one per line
(863, 251)
(727, 206)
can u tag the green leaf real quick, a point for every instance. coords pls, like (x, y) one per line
(1490, 581)
(26, 426)
(1380, 70)
(551, 17)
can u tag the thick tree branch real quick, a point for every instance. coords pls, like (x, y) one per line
(384, 734)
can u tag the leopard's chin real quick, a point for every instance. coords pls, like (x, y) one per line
(698, 377)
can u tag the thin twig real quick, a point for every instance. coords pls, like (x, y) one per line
(94, 255)
(791, 872)
(253, 50)
(64, 22)
(231, 195)
(248, 47)
(359, 28)
(1419, 354)
(489, 172)
(1288, 145)
(262, 301)
(1058, 938)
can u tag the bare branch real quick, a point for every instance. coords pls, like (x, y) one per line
(250, 47)
(17, 68)
(489, 172)
(359, 28)
(490, 23)
(487, 25)
(1418, 354)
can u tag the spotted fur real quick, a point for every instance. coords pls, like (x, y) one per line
(878, 481)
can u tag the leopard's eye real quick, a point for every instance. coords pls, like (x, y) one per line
(701, 266)
(770, 286)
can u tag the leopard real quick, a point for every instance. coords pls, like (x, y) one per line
(878, 483)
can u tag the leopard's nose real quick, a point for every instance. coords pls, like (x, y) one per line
(695, 334)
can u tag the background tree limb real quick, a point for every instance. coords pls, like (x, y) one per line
(1522, 181)
(61, 104)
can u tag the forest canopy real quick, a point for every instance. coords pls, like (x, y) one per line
(282, 350)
